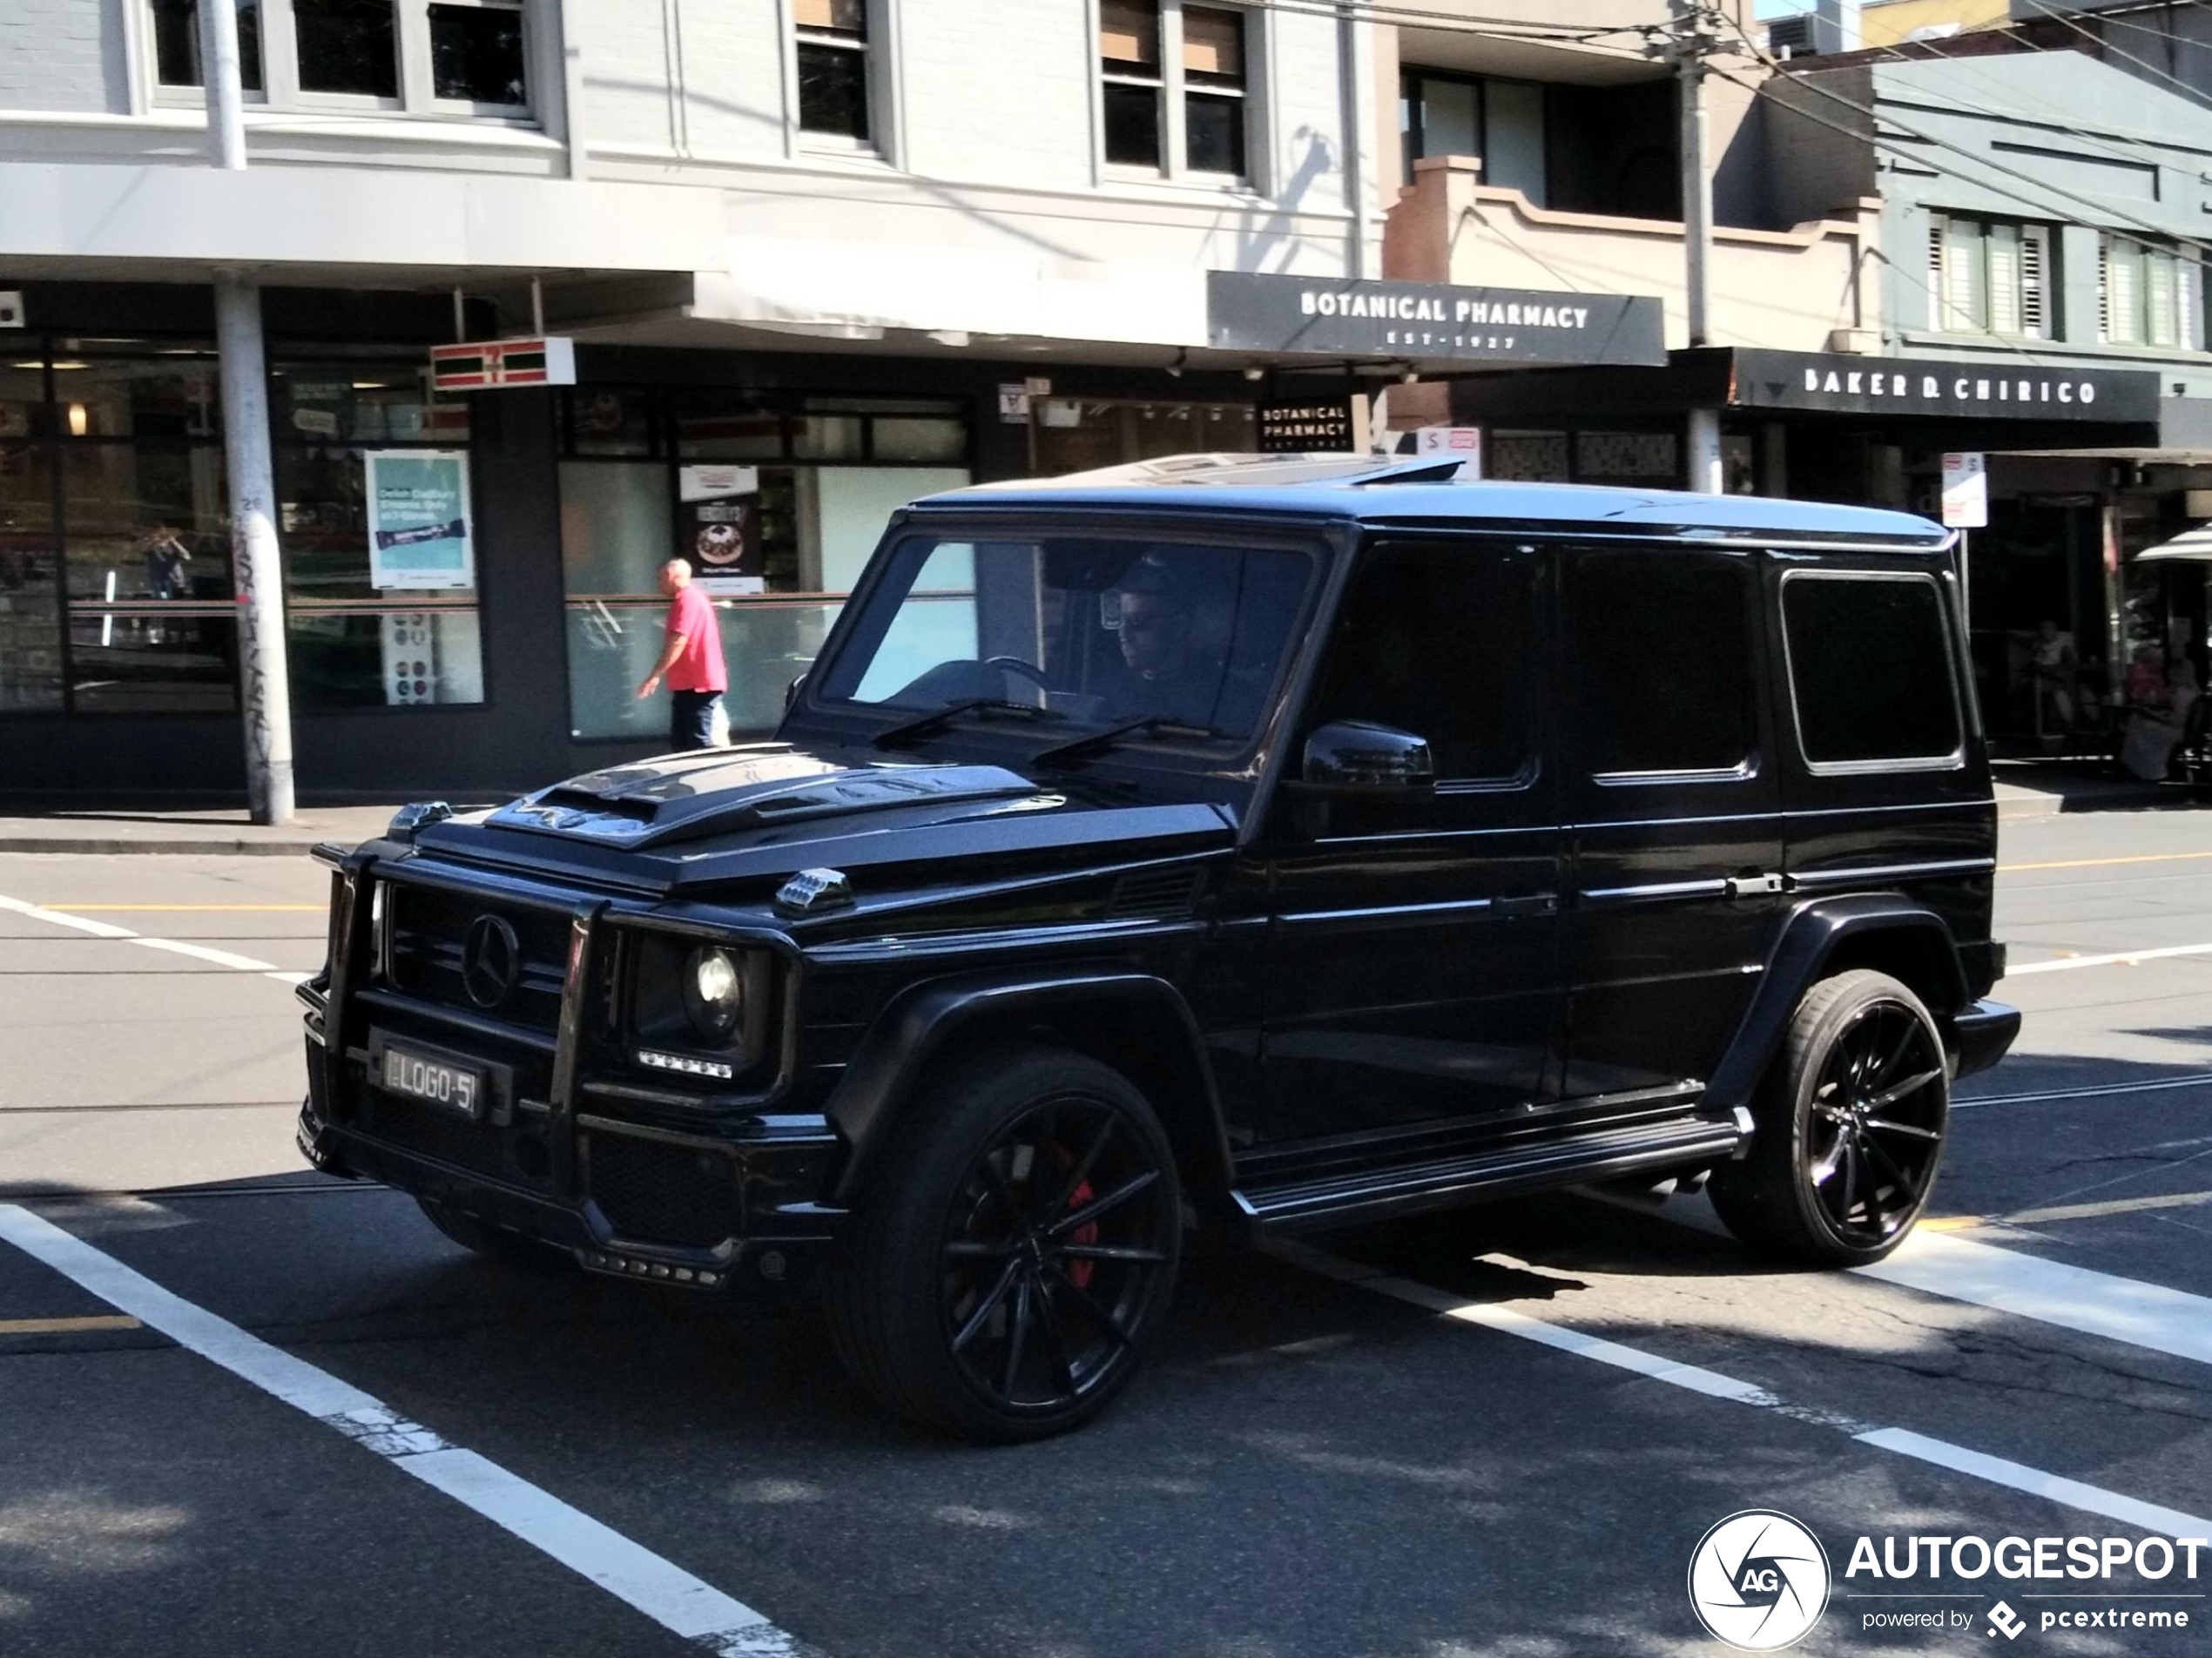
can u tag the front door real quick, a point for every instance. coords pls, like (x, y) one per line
(1674, 812)
(1414, 981)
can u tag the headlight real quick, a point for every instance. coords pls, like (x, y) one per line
(714, 995)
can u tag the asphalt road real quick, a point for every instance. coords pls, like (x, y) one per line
(1500, 1433)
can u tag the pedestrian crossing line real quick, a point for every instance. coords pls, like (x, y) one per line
(68, 1326)
(1511, 1321)
(684, 1605)
(2026, 1286)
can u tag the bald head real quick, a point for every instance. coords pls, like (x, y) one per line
(675, 577)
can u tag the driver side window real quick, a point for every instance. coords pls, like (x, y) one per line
(1438, 638)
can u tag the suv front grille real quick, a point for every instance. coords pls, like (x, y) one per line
(430, 931)
(655, 1193)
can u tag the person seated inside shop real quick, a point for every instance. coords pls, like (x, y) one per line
(1175, 635)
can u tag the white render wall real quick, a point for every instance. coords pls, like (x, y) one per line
(63, 55)
(985, 113)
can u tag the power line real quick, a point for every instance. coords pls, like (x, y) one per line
(2057, 15)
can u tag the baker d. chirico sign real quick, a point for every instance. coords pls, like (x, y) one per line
(1346, 317)
(2017, 389)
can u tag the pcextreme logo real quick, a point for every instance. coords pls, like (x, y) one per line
(1758, 1580)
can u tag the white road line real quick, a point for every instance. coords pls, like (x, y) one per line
(2095, 1303)
(2155, 1085)
(665, 1592)
(175, 947)
(2093, 1498)
(2126, 957)
(1508, 1321)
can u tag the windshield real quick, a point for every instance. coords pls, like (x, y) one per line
(1090, 631)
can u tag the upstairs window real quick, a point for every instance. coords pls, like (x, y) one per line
(1500, 123)
(833, 69)
(2144, 295)
(418, 56)
(1989, 276)
(1173, 87)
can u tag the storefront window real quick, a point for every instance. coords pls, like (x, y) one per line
(30, 654)
(1079, 435)
(777, 540)
(167, 396)
(152, 626)
(354, 644)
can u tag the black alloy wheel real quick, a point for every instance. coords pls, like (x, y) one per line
(1052, 1252)
(1849, 1128)
(1013, 1250)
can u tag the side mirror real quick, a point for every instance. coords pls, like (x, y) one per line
(1351, 755)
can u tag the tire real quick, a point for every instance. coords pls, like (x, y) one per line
(1849, 1128)
(494, 1242)
(962, 1298)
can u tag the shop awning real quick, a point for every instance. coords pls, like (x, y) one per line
(2190, 544)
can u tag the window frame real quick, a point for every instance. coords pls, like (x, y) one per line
(1172, 91)
(414, 68)
(1944, 317)
(1410, 131)
(1956, 759)
(876, 83)
(2149, 256)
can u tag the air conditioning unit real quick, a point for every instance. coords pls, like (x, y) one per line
(1828, 26)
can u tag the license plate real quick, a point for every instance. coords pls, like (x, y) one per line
(435, 1079)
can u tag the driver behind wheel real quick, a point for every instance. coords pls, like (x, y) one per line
(1174, 637)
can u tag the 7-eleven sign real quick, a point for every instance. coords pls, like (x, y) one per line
(482, 365)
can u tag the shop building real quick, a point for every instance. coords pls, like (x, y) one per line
(812, 260)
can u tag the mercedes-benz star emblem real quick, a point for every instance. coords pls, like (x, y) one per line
(491, 960)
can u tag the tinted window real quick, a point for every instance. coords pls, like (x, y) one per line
(1437, 640)
(1662, 662)
(1871, 669)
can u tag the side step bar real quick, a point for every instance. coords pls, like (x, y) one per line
(1407, 1188)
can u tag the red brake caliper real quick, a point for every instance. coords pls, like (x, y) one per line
(1079, 1271)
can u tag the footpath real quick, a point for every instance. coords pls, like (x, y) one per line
(2025, 789)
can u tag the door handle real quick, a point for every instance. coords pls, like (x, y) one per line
(1525, 904)
(1753, 886)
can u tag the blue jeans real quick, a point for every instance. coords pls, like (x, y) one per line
(690, 718)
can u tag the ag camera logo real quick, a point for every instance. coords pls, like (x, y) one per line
(1758, 1580)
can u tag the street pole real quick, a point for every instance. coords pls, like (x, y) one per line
(265, 693)
(1693, 38)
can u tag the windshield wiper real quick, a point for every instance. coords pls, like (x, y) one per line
(922, 725)
(1099, 742)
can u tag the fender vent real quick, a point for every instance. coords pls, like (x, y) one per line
(1169, 892)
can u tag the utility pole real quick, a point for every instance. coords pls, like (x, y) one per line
(264, 690)
(1693, 36)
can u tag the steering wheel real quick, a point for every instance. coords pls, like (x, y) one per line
(1029, 671)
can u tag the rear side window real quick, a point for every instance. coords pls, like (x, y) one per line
(1869, 669)
(1662, 662)
(1437, 639)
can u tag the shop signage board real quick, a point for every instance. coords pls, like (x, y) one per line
(1357, 317)
(1994, 390)
(420, 534)
(1014, 402)
(487, 365)
(1965, 491)
(1464, 441)
(1321, 425)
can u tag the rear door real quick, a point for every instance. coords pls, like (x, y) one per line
(1675, 829)
(1413, 974)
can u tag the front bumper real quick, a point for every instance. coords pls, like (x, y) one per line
(635, 1181)
(1982, 1033)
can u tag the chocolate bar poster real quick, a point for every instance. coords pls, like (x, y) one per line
(419, 520)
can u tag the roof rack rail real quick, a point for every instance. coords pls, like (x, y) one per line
(1271, 471)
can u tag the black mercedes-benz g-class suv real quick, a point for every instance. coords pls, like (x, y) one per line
(1252, 844)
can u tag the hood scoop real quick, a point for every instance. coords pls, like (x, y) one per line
(683, 798)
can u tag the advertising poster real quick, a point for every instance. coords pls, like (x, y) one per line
(419, 531)
(717, 528)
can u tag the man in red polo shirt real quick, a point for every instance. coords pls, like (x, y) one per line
(691, 661)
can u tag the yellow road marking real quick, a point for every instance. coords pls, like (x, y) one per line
(2068, 863)
(1948, 1222)
(67, 1326)
(308, 909)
